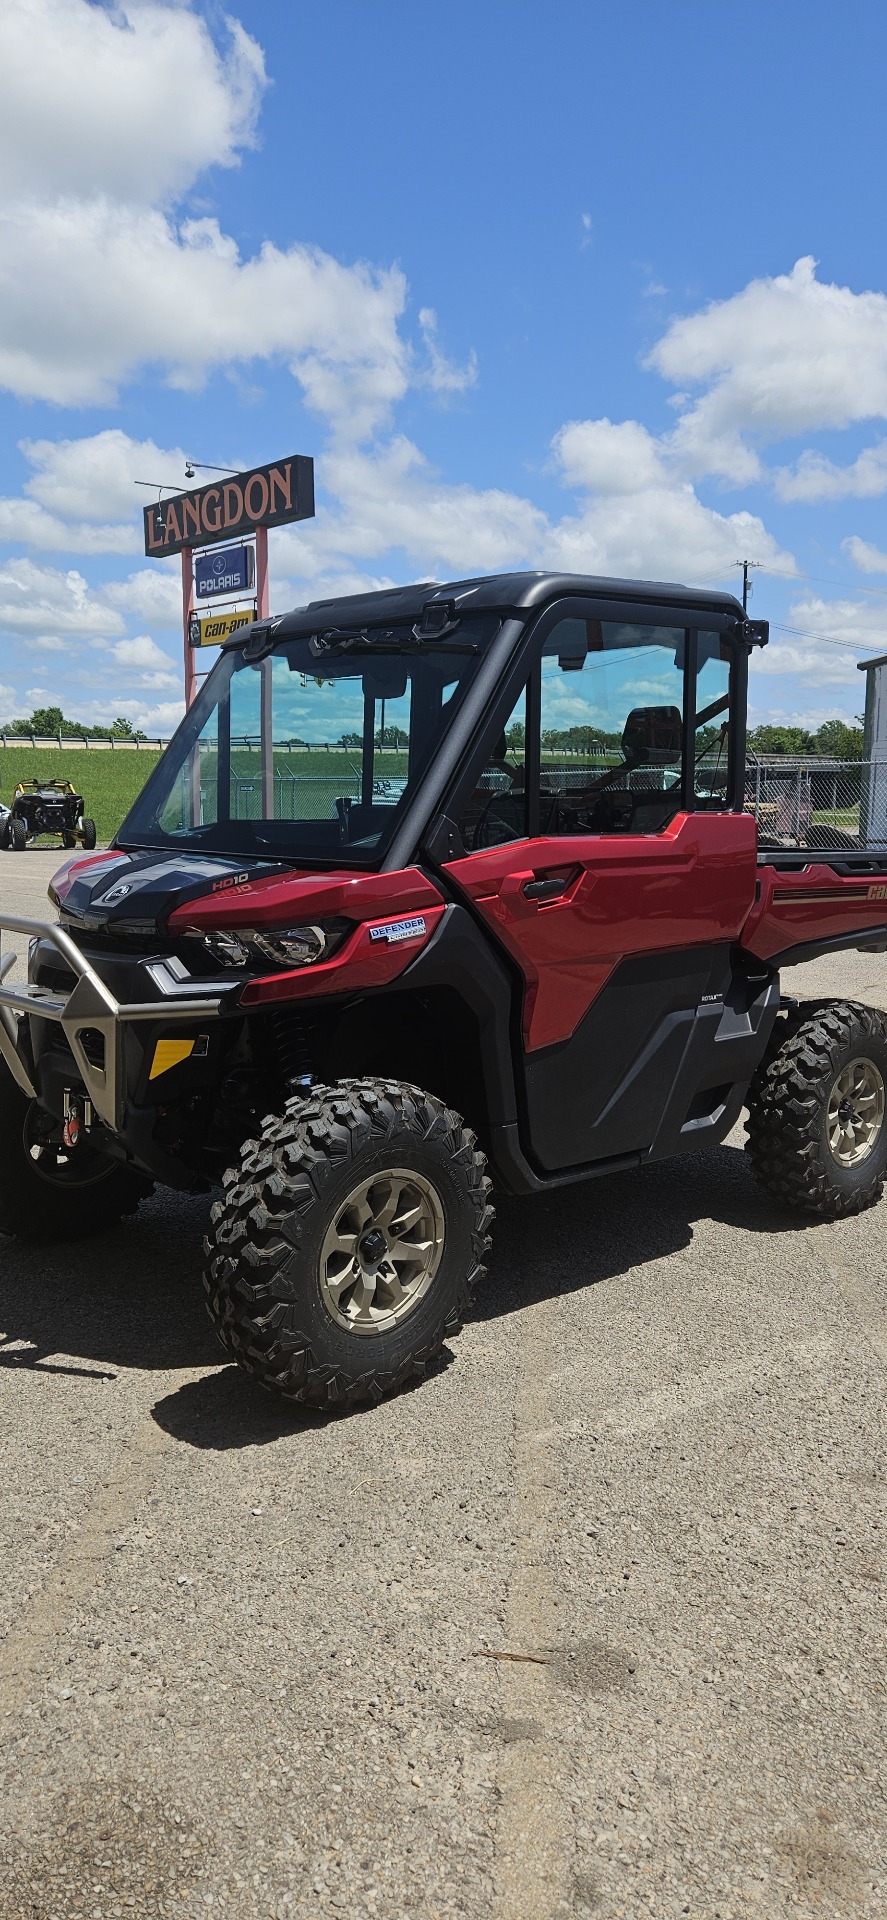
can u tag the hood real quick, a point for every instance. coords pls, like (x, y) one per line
(132, 894)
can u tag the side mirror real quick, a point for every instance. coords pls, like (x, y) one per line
(386, 679)
(652, 733)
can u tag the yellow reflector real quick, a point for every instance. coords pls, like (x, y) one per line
(169, 1053)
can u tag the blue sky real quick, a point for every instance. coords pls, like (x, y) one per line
(571, 286)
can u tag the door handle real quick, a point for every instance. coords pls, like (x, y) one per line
(549, 889)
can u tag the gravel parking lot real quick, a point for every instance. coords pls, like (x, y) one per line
(589, 1624)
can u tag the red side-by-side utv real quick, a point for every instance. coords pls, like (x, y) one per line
(435, 889)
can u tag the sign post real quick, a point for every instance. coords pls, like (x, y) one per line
(265, 721)
(187, 610)
(247, 504)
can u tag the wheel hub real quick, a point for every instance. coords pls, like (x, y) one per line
(60, 1160)
(855, 1114)
(382, 1251)
(372, 1247)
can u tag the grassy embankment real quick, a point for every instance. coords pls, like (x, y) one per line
(109, 781)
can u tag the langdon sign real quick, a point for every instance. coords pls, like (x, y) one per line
(230, 571)
(262, 497)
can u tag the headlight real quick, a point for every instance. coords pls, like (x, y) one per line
(228, 948)
(301, 946)
(283, 946)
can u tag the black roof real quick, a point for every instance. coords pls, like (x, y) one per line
(502, 593)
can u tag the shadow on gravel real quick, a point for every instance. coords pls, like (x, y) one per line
(133, 1297)
(227, 1410)
(579, 1236)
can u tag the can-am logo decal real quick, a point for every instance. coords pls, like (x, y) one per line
(119, 892)
(399, 929)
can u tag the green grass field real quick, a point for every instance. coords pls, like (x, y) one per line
(108, 781)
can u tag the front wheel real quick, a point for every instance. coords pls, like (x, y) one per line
(817, 1111)
(17, 839)
(49, 1191)
(348, 1242)
(87, 833)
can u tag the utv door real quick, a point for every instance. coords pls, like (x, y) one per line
(608, 853)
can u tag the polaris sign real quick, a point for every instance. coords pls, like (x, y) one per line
(223, 573)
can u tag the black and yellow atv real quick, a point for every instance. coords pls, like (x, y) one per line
(46, 806)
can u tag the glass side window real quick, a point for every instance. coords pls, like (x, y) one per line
(497, 809)
(713, 662)
(612, 700)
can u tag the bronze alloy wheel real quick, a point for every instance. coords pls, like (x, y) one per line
(855, 1113)
(347, 1243)
(382, 1251)
(816, 1133)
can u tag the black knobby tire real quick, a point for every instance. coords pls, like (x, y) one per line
(788, 1106)
(36, 1206)
(263, 1272)
(18, 836)
(87, 833)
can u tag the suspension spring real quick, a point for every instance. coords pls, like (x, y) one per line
(293, 1036)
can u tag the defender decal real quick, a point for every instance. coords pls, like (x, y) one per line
(400, 929)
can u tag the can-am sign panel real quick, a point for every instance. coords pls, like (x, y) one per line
(223, 573)
(262, 497)
(210, 629)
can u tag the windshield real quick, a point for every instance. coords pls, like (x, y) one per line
(304, 756)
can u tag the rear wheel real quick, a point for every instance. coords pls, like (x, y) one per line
(87, 833)
(47, 1190)
(817, 1133)
(18, 836)
(348, 1242)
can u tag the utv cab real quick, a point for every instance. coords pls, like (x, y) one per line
(433, 890)
(46, 806)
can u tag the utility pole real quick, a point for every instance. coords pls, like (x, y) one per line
(746, 582)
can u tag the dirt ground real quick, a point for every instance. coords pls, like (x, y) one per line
(590, 1624)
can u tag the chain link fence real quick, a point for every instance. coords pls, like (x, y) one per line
(804, 804)
(827, 804)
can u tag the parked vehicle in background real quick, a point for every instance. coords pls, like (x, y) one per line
(350, 1002)
(46, 806)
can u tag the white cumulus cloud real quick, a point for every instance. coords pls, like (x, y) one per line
(865, 556)
(136, 100)
(36, 599)
(815, 477)
(141, 651)
(787, 355)
(607, 456)
(102, 277)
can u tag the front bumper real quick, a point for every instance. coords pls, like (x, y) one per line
(90, 1008)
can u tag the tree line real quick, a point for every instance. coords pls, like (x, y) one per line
(50, 722)
(834, 740)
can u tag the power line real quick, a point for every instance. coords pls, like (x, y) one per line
(828, 639)
(821, 579)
